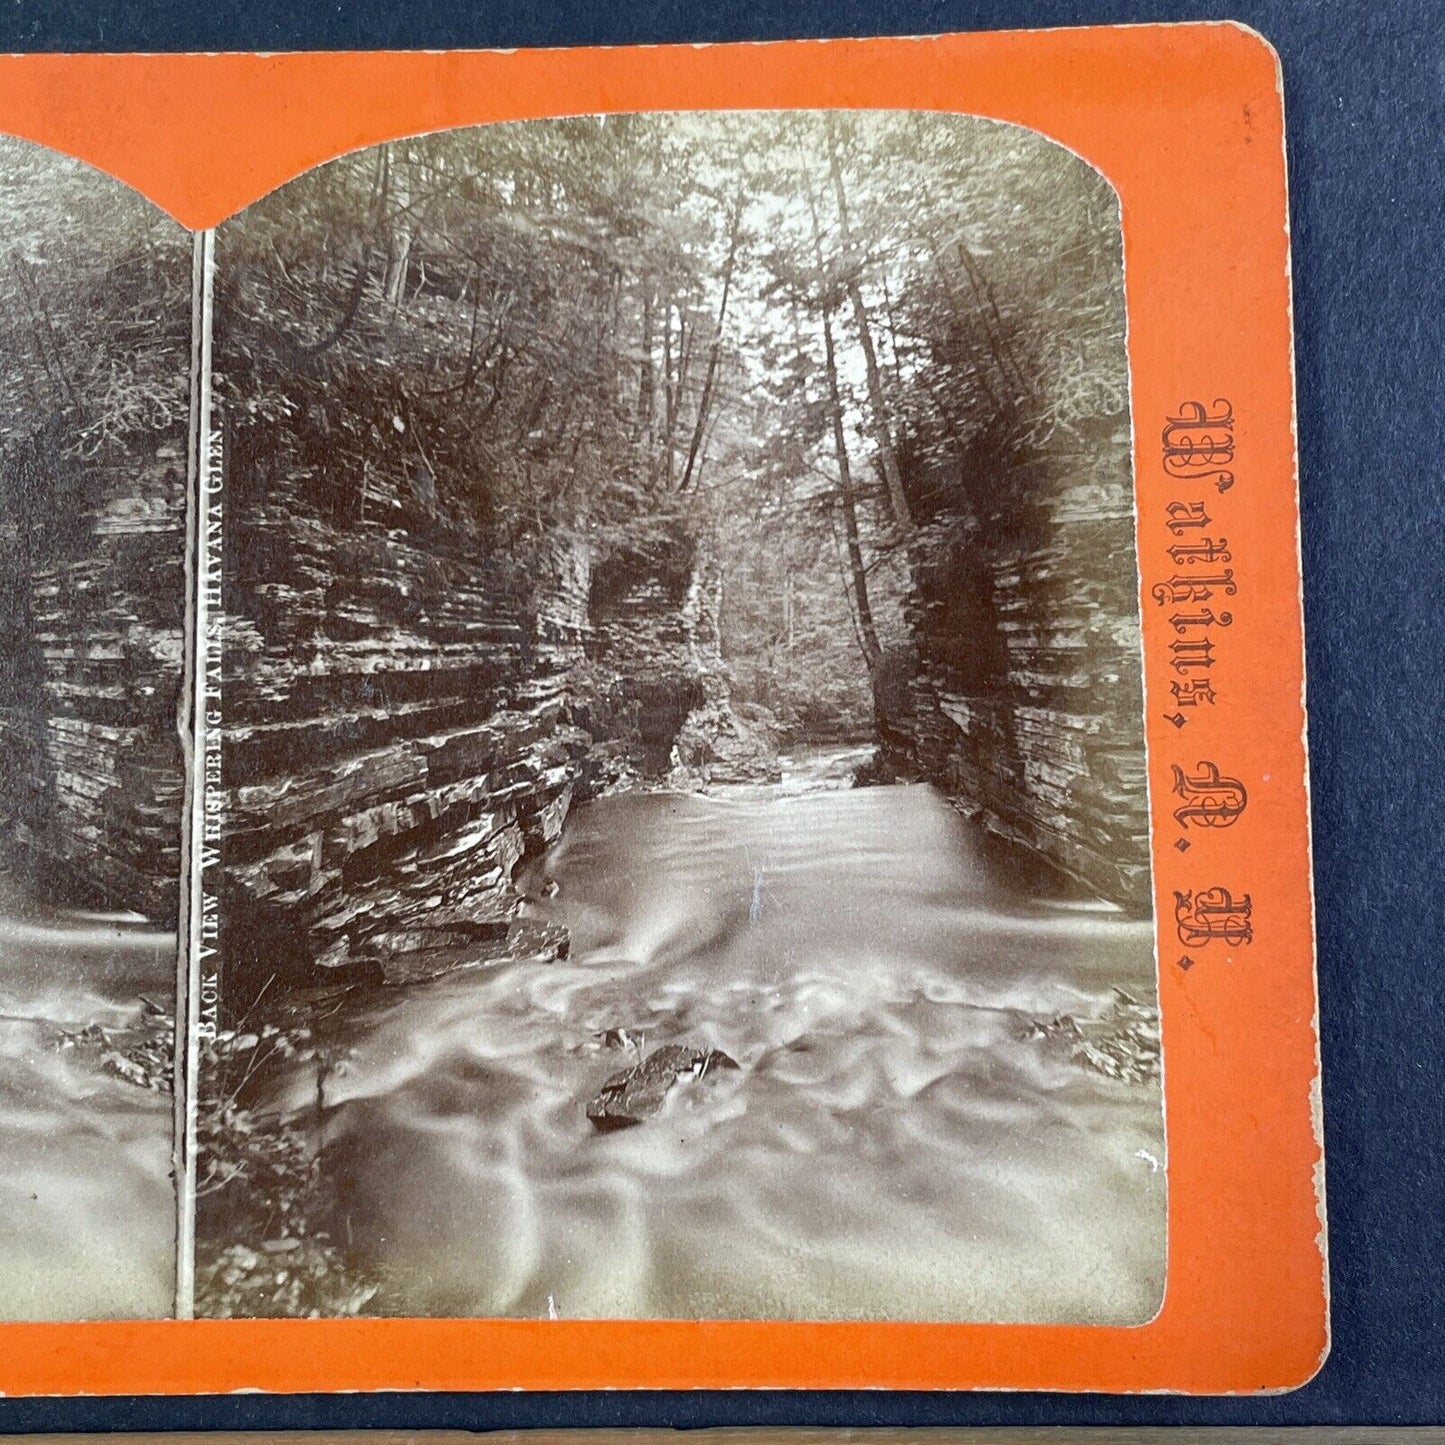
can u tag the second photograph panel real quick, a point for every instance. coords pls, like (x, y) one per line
(684, 841)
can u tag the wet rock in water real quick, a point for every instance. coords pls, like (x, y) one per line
(636, 1094)
(1121, 1043)
(717, 744)
(617, 1038)
(142, 1054)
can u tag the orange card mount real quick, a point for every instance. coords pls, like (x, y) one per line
(1185, 125)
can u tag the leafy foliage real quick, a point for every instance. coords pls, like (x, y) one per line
(98, 311)
(262, 1172)
(793, 337)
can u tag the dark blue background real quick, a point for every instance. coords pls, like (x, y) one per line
(1365, 96)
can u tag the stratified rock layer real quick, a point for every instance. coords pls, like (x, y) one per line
(92, 596)
(409, 714)
(1024, 701)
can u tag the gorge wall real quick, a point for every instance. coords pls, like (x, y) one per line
(1024, 697)
(409, 713)
(92, 595)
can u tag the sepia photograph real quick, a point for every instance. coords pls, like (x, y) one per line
(94, 412)
(684, 845)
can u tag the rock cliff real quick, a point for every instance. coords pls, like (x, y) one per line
(411, 711)
(1023, 699)
(92, 595)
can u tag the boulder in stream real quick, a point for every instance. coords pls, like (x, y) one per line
(717, 744)
(636, 1094)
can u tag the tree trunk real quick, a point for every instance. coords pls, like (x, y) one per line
(867, 632)
(672, 380)
(898, 500)
(646, 382)
(704, 402)
(399, 236)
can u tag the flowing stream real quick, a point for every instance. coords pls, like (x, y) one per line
(87, 1210)
(893, 1145)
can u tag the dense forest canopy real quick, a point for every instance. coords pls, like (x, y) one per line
(799, 340)
(94, 340)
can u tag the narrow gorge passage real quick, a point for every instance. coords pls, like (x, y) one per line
(903, 1138)
(684, 845)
